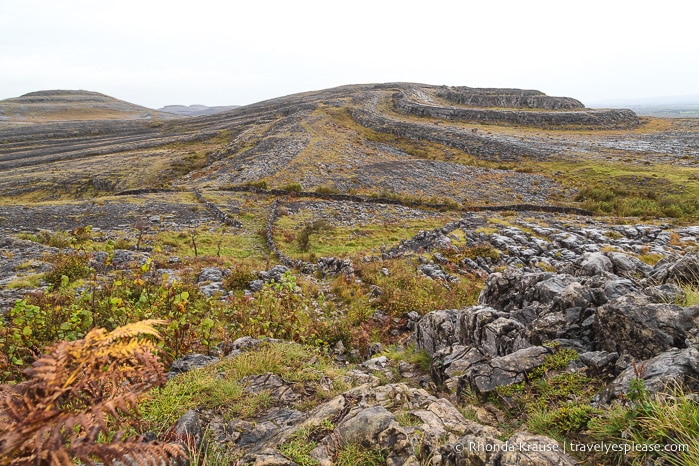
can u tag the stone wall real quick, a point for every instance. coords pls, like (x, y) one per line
(220, 215)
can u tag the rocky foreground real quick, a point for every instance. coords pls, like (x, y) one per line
(549, 289)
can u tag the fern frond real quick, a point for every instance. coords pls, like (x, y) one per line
(144, 327)
(74, 396)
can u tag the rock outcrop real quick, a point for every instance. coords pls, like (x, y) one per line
(561, 112)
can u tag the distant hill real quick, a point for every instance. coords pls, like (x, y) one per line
(196, 110)
(682, 106)
(66, 105)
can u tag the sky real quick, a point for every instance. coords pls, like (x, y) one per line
(156, 53)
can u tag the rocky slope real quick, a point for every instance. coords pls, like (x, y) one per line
(344, 137)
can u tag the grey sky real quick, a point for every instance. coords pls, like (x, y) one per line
(209, 52)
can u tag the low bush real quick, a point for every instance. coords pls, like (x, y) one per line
(72, 265)
(303, 239)
(292, 187)
(405, 290)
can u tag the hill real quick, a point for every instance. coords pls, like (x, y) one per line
(196, 110)
(65, 105)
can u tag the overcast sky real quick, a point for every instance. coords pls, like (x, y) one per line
(209, 52)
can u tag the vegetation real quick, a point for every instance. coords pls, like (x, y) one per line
(342, 241)
(303, 441)
(74, 397)
(221, 386)
(404, 290)
(304, 237)
(355, 455)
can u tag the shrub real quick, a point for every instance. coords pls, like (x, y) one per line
(327, 190)
(58, 240)
(292, 187)
(280, 310)
(404, 290)
(72, 265)
(240, 277)
(261, 184)
(303, 239)
(74, 397)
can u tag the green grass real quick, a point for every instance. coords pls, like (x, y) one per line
(218, 386)
(409, 354)
(626, 189)
(233, 243)
(692, 293)
(29, 281)
(355, 455)
(340, 241)
(300, 444)
(671, 418)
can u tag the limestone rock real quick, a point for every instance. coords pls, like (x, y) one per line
(643, 329)
(676, 367)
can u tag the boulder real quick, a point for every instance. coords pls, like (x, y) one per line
(662, 373)
(514, 289)
(683, 271)
(436, 330)
(189, 429)
(505, 370)
(595, 263)
(632, 324)
(190, 362)
(210, 275)
(482, 326)
(628, 266)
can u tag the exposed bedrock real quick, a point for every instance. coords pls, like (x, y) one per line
(619, 326)
(567, 117)
(505, 98)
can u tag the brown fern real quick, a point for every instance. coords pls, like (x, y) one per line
(74, 397)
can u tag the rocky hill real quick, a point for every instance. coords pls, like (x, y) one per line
(397, 274)
(63, 105)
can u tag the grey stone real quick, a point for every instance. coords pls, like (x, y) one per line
(436, 329)
(628, 266)
(189, 429)
(213, 289)
(599, 362)
(683, 271)
(364, 428)
(190, 362)
(210, 274)
(662, 373)
(595, 264)
(256, 285)
(632, 324)
(505, 370)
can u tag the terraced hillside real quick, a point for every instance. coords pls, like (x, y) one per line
(390, 139)
(386, 272)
